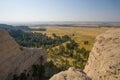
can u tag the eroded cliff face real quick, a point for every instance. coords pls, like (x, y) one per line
(14, 59)
(104, 59)
(103, 62)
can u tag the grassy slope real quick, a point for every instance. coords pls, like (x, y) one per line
(80, 35)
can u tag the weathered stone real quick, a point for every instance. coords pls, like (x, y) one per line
(104, 59)
(71, 74)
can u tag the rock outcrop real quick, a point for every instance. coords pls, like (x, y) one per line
(104, 59)
(103, 62)
(71, 74)
(15, 59)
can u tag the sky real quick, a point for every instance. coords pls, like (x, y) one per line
(59, 10)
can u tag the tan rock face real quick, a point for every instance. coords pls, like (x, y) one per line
(14, 60)
(70, 74)
(104, 59)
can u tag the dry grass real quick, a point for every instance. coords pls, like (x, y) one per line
(80, 34)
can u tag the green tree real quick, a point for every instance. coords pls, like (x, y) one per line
(86, 42)
(41, 59)
(23, 76)
(15, 77)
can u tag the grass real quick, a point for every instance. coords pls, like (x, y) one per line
(80, 34)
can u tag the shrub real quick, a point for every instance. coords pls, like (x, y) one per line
(86, 42)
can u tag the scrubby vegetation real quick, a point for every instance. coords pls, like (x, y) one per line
(28, 39)
(63, 52)
(68, 55)
(39, 29)
(37, 72)
(40, 71)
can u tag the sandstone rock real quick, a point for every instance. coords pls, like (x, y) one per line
(70, 74)
(13, 58)
(104, 59)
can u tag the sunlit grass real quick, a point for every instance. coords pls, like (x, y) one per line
(80, 34)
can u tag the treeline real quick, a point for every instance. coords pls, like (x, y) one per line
(29, 39)
(39, 29)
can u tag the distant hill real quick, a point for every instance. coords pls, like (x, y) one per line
(80, 24)
(24, 28)
(7, 27)
(10, 27)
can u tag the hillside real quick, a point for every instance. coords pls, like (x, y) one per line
(15, 59)
(103, 62)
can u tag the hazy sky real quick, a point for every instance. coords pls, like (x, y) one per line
(59, 10)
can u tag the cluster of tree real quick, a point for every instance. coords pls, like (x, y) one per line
(23, 76)
(39, 29)
(86, 42)
(40, 71)
(10, 27)
(70, 50)
(29, 39)
(37, 72)
(23, 28)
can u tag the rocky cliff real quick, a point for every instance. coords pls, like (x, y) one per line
(104, 59)
(15, 59)
(103, 62)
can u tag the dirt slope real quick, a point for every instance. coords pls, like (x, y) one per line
(13, 59)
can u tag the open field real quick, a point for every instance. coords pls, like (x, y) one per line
(79, 34)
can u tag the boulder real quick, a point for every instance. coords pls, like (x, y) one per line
(71, 74)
